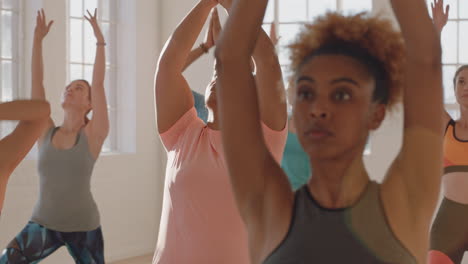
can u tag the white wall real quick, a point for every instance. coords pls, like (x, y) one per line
(127, 188)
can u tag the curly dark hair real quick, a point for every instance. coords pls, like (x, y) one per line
(371, 40)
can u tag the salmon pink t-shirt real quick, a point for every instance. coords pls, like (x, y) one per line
(200, 223)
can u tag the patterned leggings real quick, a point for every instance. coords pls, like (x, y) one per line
(449, 234)
(35, 242)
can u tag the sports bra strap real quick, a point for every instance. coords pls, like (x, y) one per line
(450, 123)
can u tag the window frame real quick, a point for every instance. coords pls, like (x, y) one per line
(453, 108)
(111, 145)
(15, 59)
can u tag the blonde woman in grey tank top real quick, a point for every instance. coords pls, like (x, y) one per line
(347, 72)
(66, 213)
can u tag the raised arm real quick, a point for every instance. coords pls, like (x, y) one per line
(24, 110)
(269, 78)
(270, 84)
(33, 116)
(37, 66)
(422, 91)
(440, 19)
(214, 29)
(260, 187)
(411, 190)
(173, 94)
(98, 127)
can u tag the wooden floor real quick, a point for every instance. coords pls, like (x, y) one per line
(136, 260)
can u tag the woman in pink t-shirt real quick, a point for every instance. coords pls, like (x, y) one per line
(200, 222)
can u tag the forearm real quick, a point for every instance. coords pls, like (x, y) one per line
(37, 70)
(421, 39)
(270, 86)
(98, 95)
(193, 56)
(240, 34)
(181, 42)
(99, 70)
(25, 110)
(265, 51)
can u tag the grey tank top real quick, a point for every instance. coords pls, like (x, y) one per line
(359, 234)
(65, 201)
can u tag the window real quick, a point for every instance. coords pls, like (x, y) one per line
(454, 51)
(82, 50)
(290, 15)
(9, 55)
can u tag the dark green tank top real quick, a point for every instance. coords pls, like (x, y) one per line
(359, 234)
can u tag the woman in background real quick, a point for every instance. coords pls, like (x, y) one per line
(449, 234)
(66, 213)
(199, 221)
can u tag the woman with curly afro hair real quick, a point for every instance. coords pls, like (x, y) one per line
(348, 72)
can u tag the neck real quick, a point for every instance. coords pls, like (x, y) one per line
(463, 116)
(73, 122)
(338, 183)
(213, 120)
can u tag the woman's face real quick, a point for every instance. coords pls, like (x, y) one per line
(461, 88)
(76, 95)
(333, 109)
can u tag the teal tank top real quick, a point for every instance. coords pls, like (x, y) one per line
(295, 162)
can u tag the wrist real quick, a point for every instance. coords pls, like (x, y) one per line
(205, 48)
(38, 39)
(207, 4)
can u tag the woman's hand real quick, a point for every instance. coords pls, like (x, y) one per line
(214, 30)
(439, 17)
(92, 19)
(42, 27)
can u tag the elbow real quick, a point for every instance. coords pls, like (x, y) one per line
(227, 54)
(269, 61)
(220, 54)
(44, 109)
(103, 133)
(163, 63)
